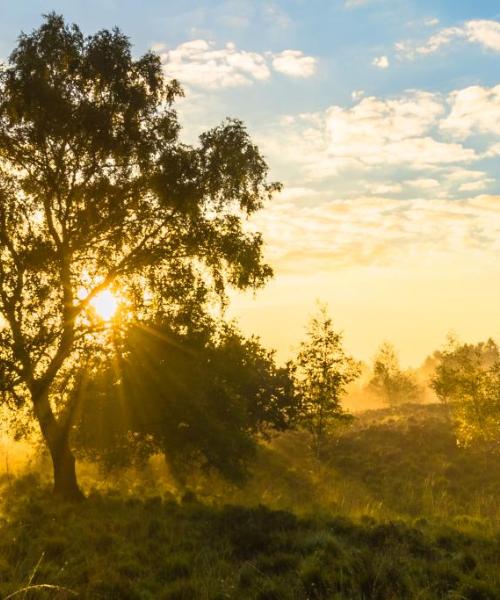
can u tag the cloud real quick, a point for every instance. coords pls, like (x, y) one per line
(484, 32)
(381, 189)
(382, 62)
(423, 184)
(475, 186)
(458, 175)
(374, 135)
(431, 21)
(292, 194)
(424, 140)
(371, 230)
(294, 63)
(413, 193)
(423, 22)
(474, 110)
(200, 63)
(493, 151)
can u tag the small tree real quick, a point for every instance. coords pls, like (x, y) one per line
(389, 381)
(323, 372)
(467, 378)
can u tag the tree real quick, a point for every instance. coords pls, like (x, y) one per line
(323, 372)
(467, 378)
(97, 193)
(200, 399)
(389, 381)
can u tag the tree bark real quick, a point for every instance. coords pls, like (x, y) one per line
(56, 436)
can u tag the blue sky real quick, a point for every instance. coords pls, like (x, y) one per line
(382, 118)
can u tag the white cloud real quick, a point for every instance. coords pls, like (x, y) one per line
(484, 32)
(423, 22)
(382, 62)
(200, 63)
(357, 95)
(294, 63)
(458, 175)
(475, 186)
(424, 132)
(423, 184)
(440, 39)
(431, 22)
(373, 134)
(474, 110)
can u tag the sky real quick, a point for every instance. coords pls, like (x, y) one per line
(382, 120)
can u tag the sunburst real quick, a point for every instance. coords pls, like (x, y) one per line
(105, 304)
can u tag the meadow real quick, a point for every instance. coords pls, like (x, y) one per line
(396, 510)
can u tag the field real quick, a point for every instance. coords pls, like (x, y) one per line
(396, 510)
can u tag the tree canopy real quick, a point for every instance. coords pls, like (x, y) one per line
(467, 378)
(198, 399)
(323, 371)
(393, 384)
(98, 192)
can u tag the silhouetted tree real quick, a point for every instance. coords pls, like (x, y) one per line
(394, 385)
(97, 192)
(467, 378)
(323, 372)
(198, 398)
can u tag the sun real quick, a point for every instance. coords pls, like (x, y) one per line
(105, 304)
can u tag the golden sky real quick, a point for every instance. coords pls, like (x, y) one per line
(410, 277)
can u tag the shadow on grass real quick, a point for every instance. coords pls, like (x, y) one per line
(112, 547)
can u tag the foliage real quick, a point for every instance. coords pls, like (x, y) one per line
(323, 371)
(198, 397)
(98, 192)
(467, 378)
(389, 381)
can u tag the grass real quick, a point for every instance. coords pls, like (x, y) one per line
(146, 549)
(385, 518)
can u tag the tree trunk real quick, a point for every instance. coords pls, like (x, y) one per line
(56, 437)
